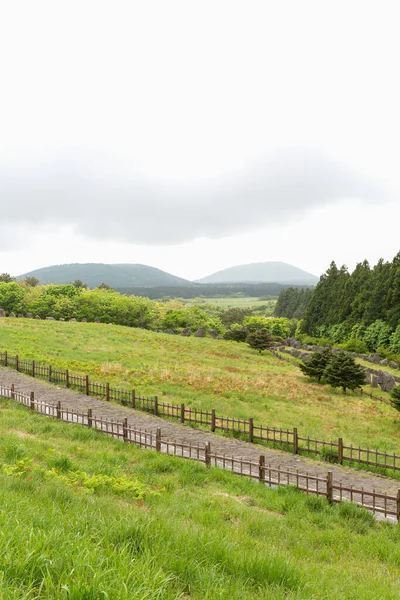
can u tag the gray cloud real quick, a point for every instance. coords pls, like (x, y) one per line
(104, 199)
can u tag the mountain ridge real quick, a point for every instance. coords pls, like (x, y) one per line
(261, 272)
(114, 275)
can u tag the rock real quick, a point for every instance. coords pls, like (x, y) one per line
(62, 319)
(29, 315)
(37, 317)
(374, 381)
(169, 331)
(97, 320)
(12, 315)
(50, 319)
(388, 382)
(2, 312)
(73, 320)
(214, 334)
(186, 332)
(393, 365)
(200, 333)
(84, 321)
(367, 377)
(375, 358)
(384, 362)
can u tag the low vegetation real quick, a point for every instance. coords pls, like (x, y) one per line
(205, 373)
(84, 516)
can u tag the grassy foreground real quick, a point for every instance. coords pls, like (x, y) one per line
(227, 376)
(85, 517)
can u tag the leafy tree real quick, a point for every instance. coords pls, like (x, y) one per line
(6, 278)
(395, 394)
(277, 326)
(260, 340)
(104, 286)
(343, 371)
(316, 365)
(395, 341)
(377, 334)
(236, 333)
(31, 281)
(79, 284)
(12, 297)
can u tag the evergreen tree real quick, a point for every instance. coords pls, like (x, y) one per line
(343, 371)
(395, 394)
(317, 364)
(260, 340)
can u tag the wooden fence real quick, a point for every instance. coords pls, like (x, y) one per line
(285, 439)
(273, 476)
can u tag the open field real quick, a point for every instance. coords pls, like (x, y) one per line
(232, 302)
(207, 373)
(84, 516)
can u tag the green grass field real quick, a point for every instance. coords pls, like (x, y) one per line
(227, 376)
(232, 302)
(85, 517)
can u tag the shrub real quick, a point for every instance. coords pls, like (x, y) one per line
(343, 371)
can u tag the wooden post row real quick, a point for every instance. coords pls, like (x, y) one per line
(295, 441)
(251, 430)
(12, 391)
(87, 385)
(329, 490)
(340, 451)
(158, 440)
(5, 358)
(125, 429)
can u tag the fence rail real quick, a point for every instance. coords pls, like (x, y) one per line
(272, 476)
(286, 439)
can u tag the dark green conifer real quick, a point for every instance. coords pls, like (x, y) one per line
(260, 340)
(317, 363)
(343, 371)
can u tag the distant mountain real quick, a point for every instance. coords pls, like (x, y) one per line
(277, 272)
(116, 276)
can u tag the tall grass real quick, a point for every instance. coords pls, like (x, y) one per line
(194, 532)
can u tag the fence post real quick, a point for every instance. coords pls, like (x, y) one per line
(33, 368)
(213, 420)
(50, 371)
(59, 409)
(16, 362)
(66, 378)
(329, 490)
(158, 440)
(251, 430)
(340, 451)
(5, 358)
(108, 392)
(89, 417)
(295, 441)
(398, 507)
(125, 429)
(12, 391)
(156, 406)
(133, 399)
(32, 401)
(261, 467)
(182, 413)
(87, 385)
(207, 454)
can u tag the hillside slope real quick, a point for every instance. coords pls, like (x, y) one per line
(93, 274)
(277, 272)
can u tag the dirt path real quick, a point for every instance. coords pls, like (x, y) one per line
(46, 392)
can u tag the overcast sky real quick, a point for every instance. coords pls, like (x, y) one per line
(196, 135)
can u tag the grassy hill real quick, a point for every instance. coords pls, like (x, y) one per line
(116, 276)
(277, 272)
(229, 377)
(84, 517)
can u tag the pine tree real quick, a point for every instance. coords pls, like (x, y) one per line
(317, 364)
(260, 340)
(395, 394)
(343, 371)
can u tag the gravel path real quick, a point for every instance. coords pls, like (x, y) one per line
(46, 392)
